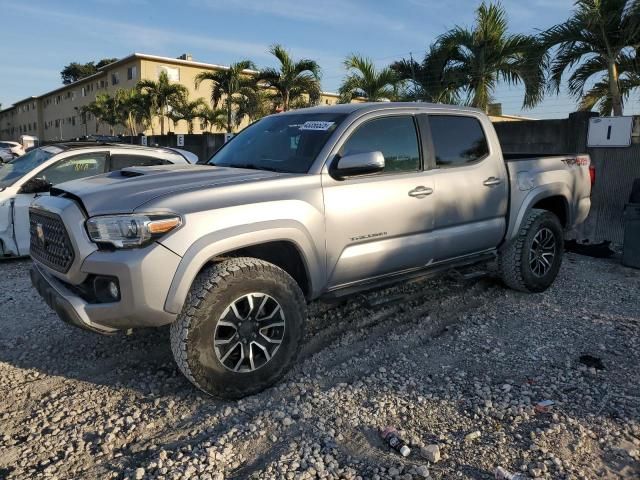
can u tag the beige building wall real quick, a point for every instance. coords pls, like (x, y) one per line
(56, 115)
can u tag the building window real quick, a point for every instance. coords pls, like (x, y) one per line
(131, 73)
(73, 121)
(84, 91)
(115, 78)
(173, 73)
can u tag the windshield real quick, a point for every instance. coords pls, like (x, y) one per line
(281, 143)
(11, 172)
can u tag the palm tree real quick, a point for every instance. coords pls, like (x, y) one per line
(105, 108)
(161, 93)
(190, 110)
(292, 80)
(129, 108)
(599, 95)
(596, 41)
(425, 80)
(364, 80)
(254, 105)
(213, 118)
(229, 84)
(473, 61)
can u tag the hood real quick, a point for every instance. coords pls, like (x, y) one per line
(127, 189)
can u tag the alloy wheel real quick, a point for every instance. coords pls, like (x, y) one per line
(542, 252)
(249, 332)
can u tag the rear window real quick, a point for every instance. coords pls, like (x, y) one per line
(120, 161)
(457, 140)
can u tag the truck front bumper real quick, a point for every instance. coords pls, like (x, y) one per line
(144, 276)
(70, 308)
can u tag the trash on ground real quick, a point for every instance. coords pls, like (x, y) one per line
(502, 474)
(592, 362)
(543, 406)
(393, 439)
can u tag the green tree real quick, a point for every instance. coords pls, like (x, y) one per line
(229, 86)
(292, 80)
(188, 110)
(213, 118)
(474, 60)
(254, 105)
(161, 94)
(598, 41)
(105, 109)
(364, 80)
(76, 71)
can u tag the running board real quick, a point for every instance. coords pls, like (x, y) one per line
(416, 274)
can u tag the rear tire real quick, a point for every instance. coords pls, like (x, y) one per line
(530, 262)
(240, 329)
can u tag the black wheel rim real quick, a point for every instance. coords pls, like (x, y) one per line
(249, 332)
(542, 253)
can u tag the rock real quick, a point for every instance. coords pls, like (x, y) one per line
(472, 436)
(139, 474)
(431, 453)
(422, 471)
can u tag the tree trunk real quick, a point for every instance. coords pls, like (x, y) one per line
(614, 90)
(228, 113)
(285, 101)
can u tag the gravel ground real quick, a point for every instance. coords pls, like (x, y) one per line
(456, 366)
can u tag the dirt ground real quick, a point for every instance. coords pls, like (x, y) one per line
(450, 363)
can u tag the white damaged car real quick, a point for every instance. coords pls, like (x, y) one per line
(34, 173)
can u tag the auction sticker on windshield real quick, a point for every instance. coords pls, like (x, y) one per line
(317, 125)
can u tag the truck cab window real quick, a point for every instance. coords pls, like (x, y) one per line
(457, 140)
(394, 136)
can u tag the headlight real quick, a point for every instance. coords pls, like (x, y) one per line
(130, 231)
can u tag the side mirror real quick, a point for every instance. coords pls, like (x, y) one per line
(359, 164)
(36, 185)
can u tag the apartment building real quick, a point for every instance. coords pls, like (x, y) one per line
(56, 114)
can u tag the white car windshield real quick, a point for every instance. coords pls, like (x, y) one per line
(13, 171)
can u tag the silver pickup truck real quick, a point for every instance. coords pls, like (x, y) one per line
(303, 205)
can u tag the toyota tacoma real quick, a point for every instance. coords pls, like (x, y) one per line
(302, 205)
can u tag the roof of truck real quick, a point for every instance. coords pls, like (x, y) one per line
(349, 108)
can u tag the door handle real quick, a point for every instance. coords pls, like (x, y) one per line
(492, 181)
(420, 192)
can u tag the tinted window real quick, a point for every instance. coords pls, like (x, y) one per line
(118, 162)
(457, 140)
(74, 168)
(283, 143)
(395, 137)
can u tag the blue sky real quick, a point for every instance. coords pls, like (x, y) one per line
(39, 37)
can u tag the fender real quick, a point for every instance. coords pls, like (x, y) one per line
(534, 196)
(218, 243)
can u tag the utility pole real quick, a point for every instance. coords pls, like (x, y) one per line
(413, 77)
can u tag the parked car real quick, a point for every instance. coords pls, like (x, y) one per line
(14, 147)
(6, 155)
(303, 205)
(33, 174)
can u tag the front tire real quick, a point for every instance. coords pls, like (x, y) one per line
(240, 329)
(530, 262)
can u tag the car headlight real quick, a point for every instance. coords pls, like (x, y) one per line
(130, 231)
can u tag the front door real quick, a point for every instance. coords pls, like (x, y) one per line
(378, 224)
(470, 188)
(67, 169)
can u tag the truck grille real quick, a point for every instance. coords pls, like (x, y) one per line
(50, 242)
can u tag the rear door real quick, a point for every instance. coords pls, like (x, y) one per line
(66, 169)
(470, 186)
(378, 224)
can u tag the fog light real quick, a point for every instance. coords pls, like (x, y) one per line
(114, 291)
(106, 289)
